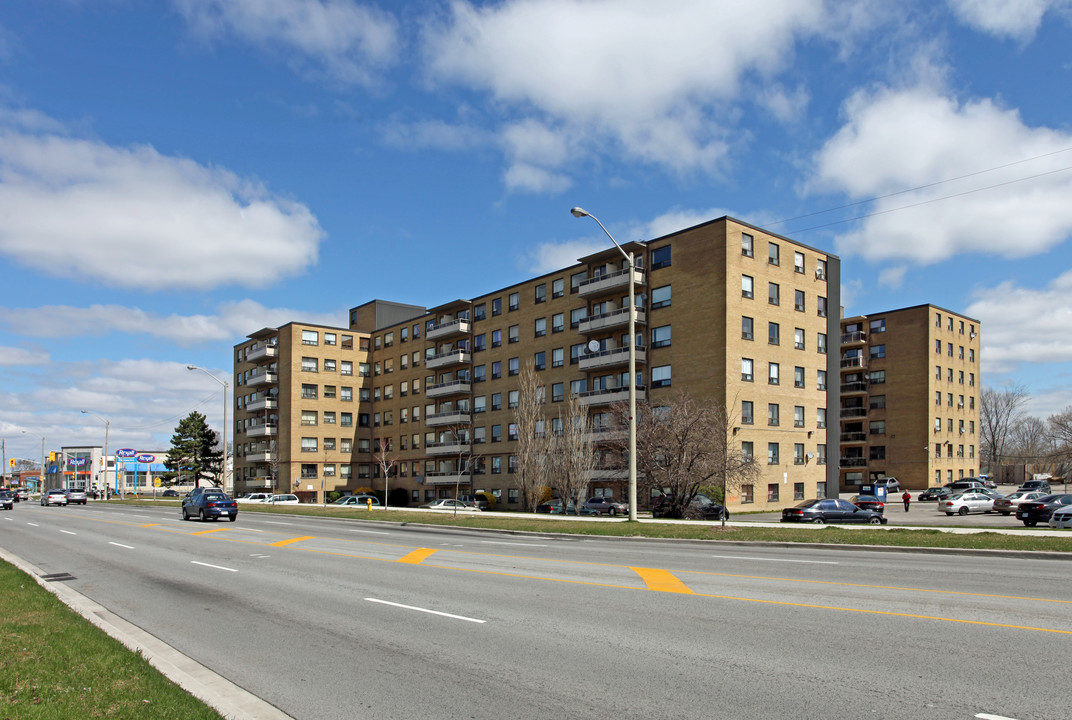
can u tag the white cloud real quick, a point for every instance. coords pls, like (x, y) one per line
(434, 134)
(892, 277)
(550, 256)
(894, 140)
(234, 321)
(13, 356)
(350, 41)
(1015, 19)
(131, 217)
(648, 79)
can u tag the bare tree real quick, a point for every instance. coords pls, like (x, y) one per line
(531, 448)
(387, 461)
(999, 412)
(570, 453)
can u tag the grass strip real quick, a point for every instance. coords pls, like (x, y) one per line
(55, 665)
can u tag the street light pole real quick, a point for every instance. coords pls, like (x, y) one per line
(579, 212)
(225, 385)
(107, 427)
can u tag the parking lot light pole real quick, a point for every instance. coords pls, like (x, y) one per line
(579, 212)
(225, 386)
(107, 427)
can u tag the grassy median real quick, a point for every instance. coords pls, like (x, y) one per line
(55, 665)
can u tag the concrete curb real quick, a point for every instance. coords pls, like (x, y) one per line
(214, 690)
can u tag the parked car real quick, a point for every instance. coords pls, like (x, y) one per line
(868, 502)
(1062, 517)
(284, 499)
(450, 504)
(607, 505)
(700, 508)
(1007, 505)
(54, 496)
(76, 496)
(213, 503)
(479, 500)
(170, 492)
(7, 500)
(891, 484)
(961, 486)
(967, 502)
(934, 493)
(254, 498)
(1036, 485)
(358, 501)
(833, 510)
(1032, 512)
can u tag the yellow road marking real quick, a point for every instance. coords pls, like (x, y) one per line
(661, 580)
(209, 532)
(289, 541)
(149, 525)
(417, 556)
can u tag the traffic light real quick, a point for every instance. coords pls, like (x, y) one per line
(11, 462)
(51, 456)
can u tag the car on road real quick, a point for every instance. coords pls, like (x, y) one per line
(831, 510)
(450, 504)
(212, 504)
(967, 502)
(1062, 517)
(7, 500)
(701, 507)
(22, 494)
(606, 505)
(891, 484)
(76, 496)
(358, 501)
(868, 502)
(54, 496)
(1007, 505)
(1032, 512)
(934, 493)
(1037, 485)
(284, 499)
(254, 498)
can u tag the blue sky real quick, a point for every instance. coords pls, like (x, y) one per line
(177, 174)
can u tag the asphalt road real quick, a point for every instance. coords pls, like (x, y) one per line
(339, 619)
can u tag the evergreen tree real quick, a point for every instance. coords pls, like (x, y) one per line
(194, 453)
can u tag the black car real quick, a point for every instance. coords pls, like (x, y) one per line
(833, 510)
(869, 502)
(700, 508)
(210, 503)
(170, 493)
(1033, 512)
(7, 500)
(934, 493)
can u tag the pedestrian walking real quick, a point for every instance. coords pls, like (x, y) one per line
(906, 498)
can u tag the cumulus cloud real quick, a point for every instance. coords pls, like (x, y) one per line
(629, 75)
(233, 321)
(1015, 19)
(131, 217)
(349, 41)
(13, 356)
(894, 139)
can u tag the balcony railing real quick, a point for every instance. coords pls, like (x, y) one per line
(448, 417)
(447, 478)
(611, 282)
(852, 362)
(262, 431)
(262, 352)
(263, 379)
(611, 358)
(847, 462)
(853, 338)
(460, 326)
(262, 404)
(448, 447)
(609, 396)
(850, 388)
(853, 437)
(453, 387)
(448, 358)
(853, 412)
(609, 321)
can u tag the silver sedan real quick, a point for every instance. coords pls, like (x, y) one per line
(1008, 504)
(969, 502)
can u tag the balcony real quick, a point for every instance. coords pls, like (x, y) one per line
(607, 474)
(454, 387)
(449, 447)
(853, 362)
(613, 320)
(450, 328)
(612, 283)
(447, 359)
(255, 457)
(610, 396)
(853, 437)
(261, 353)
(449, 417)
(853, 462)
(618, 357)
(268, 378)
(854, 338)
(262, 404)
(448, 478)
(262, 431)
(609, 434)
(853, 412)
(853, 388)
(257, 483)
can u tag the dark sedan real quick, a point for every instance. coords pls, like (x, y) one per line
(1035, 511)
(934, 493)
(701, 508)
(832, 510)
(606, 505)
(869, 502)
(7, 500)
(211, 504)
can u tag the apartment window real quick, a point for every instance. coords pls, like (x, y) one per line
(877, 351)
(821, 306)
(772, 333)
(329, 391)
(798, 262)
(747, 414)
(541, 327)
(511, 431)
(660, 376)
(747, 450)
(308, 392)
(558, 288)
(308, 417)
(746, 369)
(820, 343)
(878, 326)
(541, 360)
(747, 245)
(877, 402)
(576, 351)
(747, 493)
(515, 301)
(820, 269)
(541, 293)
(557, 392)
(346, 394)
(746, 327)
(329, 419)
(773, 254)
(479, 344)
(496, 338)
(310, 337)
(558, 357)
(578, 387)
(971, 379)
(876, 377)
(496, 433)
(798, 377)
(496, 401)
(772, 373)
(773, 294)
(309, 444)
(820, 418)
(876, 427)
(388, 339)
(308, 364)
(346, 367)
(576, 279)
(660, 257)
(577, 315)
(798, 338)
(772, 459)
(772, 414)
(820, 380)
(950, 353)
(496, 370)
(513, 366)
(877, 452)
(960, 377)
(480, 311)
(660, 336)
(798, 416)
(798, 300)
(496, 307)
(746, 286)
(660, 297)
(937, 424)
(329, 365)
(558, 322)
(377, 342)
(513, 333)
